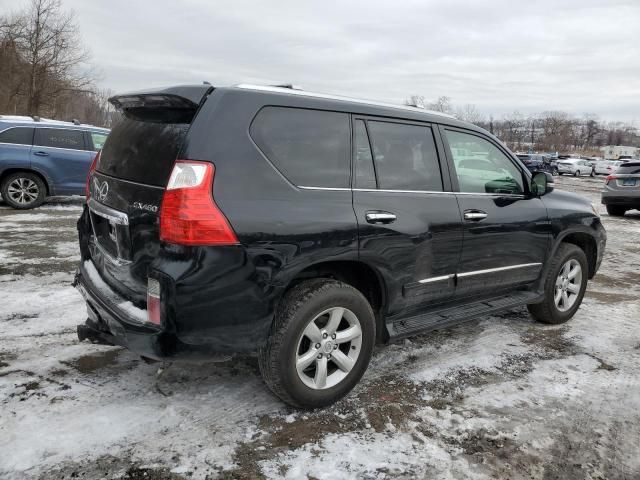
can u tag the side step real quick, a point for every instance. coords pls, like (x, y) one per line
(447, 316)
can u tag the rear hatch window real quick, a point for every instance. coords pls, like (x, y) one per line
(142, 152)
(629, 168)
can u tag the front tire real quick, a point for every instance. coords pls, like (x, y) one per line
(576, 173)
(23, 190)
(616, 210)
(320, 343)
(565, 284)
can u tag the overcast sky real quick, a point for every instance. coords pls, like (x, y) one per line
(574, 55)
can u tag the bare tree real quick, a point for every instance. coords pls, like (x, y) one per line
(442, 104)
(469, 113)
(49, 41)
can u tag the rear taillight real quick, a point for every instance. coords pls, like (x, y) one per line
(153, 301)
(609, 178)
(92, 168)
(189, 215)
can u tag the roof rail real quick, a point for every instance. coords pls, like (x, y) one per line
(294, 91)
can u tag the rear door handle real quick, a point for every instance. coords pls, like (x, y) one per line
(41, 153)
(376, 216)
(474, 215)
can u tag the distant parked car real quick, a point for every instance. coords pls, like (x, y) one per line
(606, 167)
(575, 167)
(40, 158)
(621, 190)
(535, 162)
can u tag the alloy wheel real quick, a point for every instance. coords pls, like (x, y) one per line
(568, 284)
(23, 191)
(328, 348)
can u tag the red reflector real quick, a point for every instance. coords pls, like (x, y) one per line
(189, 215)
(92, 168)
(609, 178)
(153, 301)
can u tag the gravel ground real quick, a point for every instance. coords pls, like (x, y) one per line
(500, 397)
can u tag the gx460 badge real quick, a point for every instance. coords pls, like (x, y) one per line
(145, 206)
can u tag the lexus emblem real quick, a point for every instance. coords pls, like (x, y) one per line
(100, 190)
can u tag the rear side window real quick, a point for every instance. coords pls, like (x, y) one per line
(17, 135)
(98, 139)
(60, 138)
(405, 157)
(629, 168)
(309, 147)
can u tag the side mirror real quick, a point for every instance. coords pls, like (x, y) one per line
(541, 183)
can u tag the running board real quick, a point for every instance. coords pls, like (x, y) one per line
(447, 316)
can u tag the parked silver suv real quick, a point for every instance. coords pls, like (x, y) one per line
(622, 189)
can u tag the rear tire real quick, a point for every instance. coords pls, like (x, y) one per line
(305, 341)
(23, 190)
(576, 173)
(563, 293)
(592, 174)
(616, 210)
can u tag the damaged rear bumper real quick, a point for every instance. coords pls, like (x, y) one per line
(106, 323)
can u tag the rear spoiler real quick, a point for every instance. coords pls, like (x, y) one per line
(168, 105)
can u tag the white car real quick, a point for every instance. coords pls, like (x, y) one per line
(575, 167)
(606, 167)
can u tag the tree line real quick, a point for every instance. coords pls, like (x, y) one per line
(549, 131)
(44, 67)
(45, 71)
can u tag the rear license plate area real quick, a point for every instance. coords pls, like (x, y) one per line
(111, 236)
(628, 182)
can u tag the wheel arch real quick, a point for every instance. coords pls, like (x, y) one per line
(363, 277)
(586, 242)
(11, 170)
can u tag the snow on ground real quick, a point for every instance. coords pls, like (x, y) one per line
(500, 397)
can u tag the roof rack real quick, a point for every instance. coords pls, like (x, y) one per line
(296, 91)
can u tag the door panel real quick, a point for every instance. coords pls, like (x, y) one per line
(506, 230)
(409, 229)
(417, 253)
(505, 249)
(60, 154)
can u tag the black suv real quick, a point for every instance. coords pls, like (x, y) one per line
(306, 227)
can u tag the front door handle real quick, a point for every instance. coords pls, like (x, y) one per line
(380, 217)
(41, 153)
(474, 215)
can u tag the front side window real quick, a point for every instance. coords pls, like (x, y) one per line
(60, 138)
(309, 147)
(98, 140)
(17, 135)
(481, 167)
(405, 157)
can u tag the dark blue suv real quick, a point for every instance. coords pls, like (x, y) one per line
(40, 158)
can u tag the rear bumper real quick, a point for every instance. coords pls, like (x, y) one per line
(113, 325)
(627, 200)
(108, 323)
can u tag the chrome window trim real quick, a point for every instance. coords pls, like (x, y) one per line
(432, 192)
(325, 96)
(498, 269)
(329, 189)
